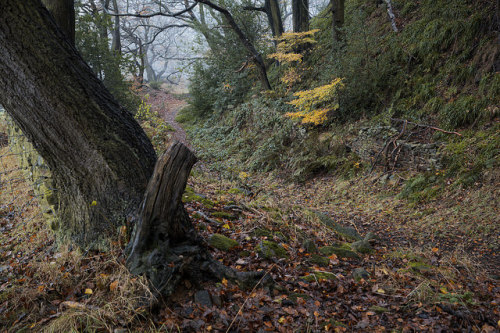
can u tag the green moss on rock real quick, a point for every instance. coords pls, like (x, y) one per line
(319, 260)
(224, 215)
(190, 196)
(222, 242)
(316, 276)
(362, 246)
(346, 233)
(339, 252)
(270, 250)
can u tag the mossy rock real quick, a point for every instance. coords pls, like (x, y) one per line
(360, 273)
(190, 196)
(224, 215)
(339, 252)
(346, 233)
(378, 309)
(419, 267)
(222, 242)
(316, 276)
(261, 232)
(236, 191)
(270, 250)
(319, 260)
(294, 296)
(244, 254)
(310, 246)
(362, 246)
(371, 236)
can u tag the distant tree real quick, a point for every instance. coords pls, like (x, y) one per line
(300, 15)
(338, 12)
(274, 17)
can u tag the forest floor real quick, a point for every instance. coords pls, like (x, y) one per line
(346, 256)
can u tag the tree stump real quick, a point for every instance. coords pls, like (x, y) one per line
(165, 246)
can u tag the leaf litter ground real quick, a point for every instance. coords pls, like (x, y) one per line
(410, 282)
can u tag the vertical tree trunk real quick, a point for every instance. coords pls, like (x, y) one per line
(300, 15)
(116, 44)
(273, 12)
(99, 156)
(63, 12)
(338, 11)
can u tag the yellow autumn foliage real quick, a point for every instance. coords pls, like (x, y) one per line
(308, 103)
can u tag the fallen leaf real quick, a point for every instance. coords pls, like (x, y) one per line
(113, 285)
(88, 291)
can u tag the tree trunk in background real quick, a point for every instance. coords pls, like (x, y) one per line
(257, 57)
(116, 44)
(338, 11)
(300, 15)
(100, 158)
(272, 8)
(63, 12)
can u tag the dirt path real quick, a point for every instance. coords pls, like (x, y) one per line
(168, 105)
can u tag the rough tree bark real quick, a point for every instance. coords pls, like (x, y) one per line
(63, 12)
(99, 156)
(300, 15)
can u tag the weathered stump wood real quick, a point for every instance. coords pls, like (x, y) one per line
(165, 246)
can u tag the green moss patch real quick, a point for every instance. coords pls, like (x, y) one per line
(222, 242)
(317, 276)
(319, 260)
(339, 252)
(270, 250)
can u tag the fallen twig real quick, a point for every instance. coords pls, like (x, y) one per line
(248, 297)
(426, 126)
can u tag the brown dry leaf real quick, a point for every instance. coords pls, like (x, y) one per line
(73, 305)
(113, 285)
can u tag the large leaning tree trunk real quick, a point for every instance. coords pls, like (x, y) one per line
(63, 12)
(99, 156)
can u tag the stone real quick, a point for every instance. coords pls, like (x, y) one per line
(310, 246)
(371, 236)
(419, 267)
(222, 242)
(217, 300)
(362, 246)
(378, 309)
(319, 260)
(347, 233)
(339, 252)
(271, 250)
(360, 273)
(202, 297)
(316, 276)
